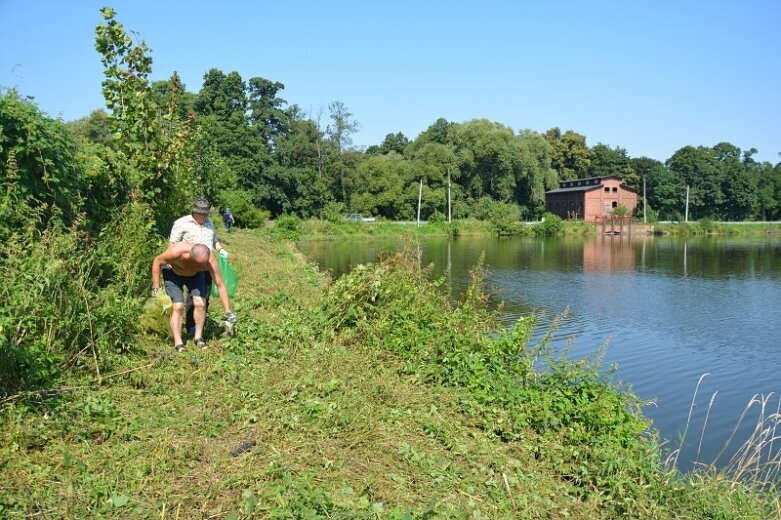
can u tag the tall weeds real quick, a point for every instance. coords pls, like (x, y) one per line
(594, 431)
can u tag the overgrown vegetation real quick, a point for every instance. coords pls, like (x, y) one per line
(369, 397)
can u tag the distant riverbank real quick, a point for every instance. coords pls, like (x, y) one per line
(294, 228)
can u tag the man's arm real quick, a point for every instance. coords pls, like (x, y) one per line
(220, 283)
(159, 261)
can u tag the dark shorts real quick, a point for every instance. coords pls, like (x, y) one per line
(175, 284)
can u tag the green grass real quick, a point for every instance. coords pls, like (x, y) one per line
(352, 415)
(710, 227)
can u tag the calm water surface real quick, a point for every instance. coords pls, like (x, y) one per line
(670, 310)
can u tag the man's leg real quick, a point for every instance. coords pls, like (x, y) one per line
(174, 288)
(190, 320)
(176, 323)
(199, 289)
(199, 314)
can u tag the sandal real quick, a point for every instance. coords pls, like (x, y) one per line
(201, 343)
(179, 347)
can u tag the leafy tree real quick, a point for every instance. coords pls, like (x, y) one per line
(737, 183)
(608, 161)
(438, 133)
(392, 143)
(699, 169)
(95, 128)
(267, 113)
(174, 92)
(150, 139)
(570, 156)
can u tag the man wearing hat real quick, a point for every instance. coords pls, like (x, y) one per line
(197, 228)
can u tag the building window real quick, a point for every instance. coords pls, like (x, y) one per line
(615, 189)
(615, 204)
(579, 183)
(607, 189)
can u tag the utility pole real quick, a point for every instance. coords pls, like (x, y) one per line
(448, 196)
(420, 198)
(686, 219)
(645, 202)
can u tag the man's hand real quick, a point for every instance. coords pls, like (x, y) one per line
(229, 323)
(223, 253)
(155, 291)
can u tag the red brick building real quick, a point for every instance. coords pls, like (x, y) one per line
(585, 199)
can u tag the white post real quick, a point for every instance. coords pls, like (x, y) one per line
(686, 219)
(420, 198)
(448, 196)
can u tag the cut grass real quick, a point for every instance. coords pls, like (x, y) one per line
(341, 430)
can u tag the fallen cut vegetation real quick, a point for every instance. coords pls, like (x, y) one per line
(367, 397)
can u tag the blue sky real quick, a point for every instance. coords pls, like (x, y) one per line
(649, 76)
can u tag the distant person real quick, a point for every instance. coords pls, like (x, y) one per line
(186, 265)
(228, 218)
(197, 228)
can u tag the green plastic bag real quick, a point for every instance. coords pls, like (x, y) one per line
(229, 276)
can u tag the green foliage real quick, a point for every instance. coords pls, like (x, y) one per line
(620, 211)
(392, 305)
(150, 140)
(244, 211)
(54, 314)
(550, 226)
(334, 212)
(504, 218)
(288, 227)
(38, 167)
(126, 248)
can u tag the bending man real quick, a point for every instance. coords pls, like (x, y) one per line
(186, 265)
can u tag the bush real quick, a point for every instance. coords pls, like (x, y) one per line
(54, 314)
(334, 212)
(504, 217)
(550, 226)
(288, 227)
(245, 213)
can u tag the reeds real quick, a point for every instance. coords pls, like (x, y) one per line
(756, 463)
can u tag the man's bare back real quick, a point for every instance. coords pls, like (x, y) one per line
(180, 259)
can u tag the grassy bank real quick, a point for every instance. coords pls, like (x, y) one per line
(710, 227)
(293, 228)
(368, 397)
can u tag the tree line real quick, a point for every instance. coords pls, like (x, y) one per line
(255, 151)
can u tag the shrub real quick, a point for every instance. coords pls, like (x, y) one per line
(550, 226)
(334, 212)
(54, 314)
(245, 213)
(288, 227)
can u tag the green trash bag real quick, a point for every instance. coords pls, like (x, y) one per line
(155, 313)
(229, 276)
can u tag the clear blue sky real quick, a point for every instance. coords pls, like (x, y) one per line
(649, 76)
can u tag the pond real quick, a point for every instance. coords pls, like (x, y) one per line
(670, 310)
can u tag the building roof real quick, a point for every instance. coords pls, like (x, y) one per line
(588, 184)
(574, 189)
